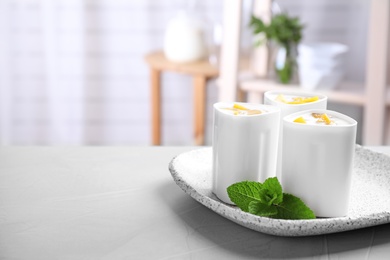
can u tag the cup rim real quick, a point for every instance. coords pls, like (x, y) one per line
(322, 97)
(270, 108)
(352, 122)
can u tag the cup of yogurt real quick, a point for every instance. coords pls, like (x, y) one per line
(292, 102)
(318, 150)
(245, 143)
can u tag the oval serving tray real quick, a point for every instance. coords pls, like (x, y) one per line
(369, 203)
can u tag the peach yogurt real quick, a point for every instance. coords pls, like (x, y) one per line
(245, 142)
(292, 102)
(318, 150)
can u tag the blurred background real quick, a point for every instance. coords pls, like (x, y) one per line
(73, 71)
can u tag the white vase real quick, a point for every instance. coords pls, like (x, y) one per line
(184, 39)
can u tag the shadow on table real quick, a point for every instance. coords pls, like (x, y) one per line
(234, 239)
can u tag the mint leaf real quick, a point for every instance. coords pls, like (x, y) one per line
(261, 209)
(242, 193)
(271, 191)
(293, 208)
(268, 200)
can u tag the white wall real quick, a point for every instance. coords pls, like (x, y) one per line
(99, 49)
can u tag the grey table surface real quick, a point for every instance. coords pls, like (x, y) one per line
(122, 203)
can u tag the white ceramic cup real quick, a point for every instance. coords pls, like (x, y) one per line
(318, 162)
(286, 109)
(244, 146)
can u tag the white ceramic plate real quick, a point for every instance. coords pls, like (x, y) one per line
(369, 205)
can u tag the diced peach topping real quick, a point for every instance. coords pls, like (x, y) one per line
(300, 120)
(253, 112)
(296, 100)
(326, 119)
(237, 106)
(322, 118)
(301, 100)
(241, 110)
(281, 98)
(316, 115)
(311, 99)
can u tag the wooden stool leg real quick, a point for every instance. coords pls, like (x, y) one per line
(199, 108)
(155, 92)
(387, 126)
(241, 95)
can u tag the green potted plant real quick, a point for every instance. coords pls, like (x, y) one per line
(285, 33)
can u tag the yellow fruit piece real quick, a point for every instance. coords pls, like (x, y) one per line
(237, 106)
(316, 115)
(300, 100)
(281, 98)
(300, 120)
(326, 119)
(253, 112)
(310, 99)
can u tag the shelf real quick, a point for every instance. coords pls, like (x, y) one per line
(348, 92)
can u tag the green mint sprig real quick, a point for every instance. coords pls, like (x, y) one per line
(268, 200)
